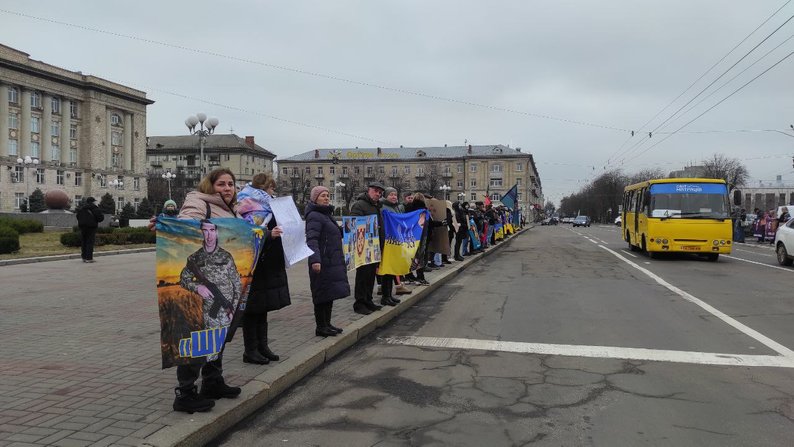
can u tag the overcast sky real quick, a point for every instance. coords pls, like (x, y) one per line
(610, 64)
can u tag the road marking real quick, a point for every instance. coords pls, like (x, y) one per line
(766, 341)
(753, 252)
(609, 352)
(760, 263)
(627, 253)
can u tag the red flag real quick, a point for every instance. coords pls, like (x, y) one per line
(487, 201)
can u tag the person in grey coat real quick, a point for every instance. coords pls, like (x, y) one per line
(327, 270)
(367, 204)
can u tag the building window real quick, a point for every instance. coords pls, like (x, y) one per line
(40, 176)
(78, 199)
(78, 179)
(460, 169)
(460, 183)
(74, 110)
(119, 204)
(319, 170)
(496, 182)
(135, 202)
(369, 171)
(34, 149)
(19, 200)
(116, 160)
(13, 147)
(103, 181)
(332, 170)
(73, 132)
(55, 129)
(55, 104)
(227, 157)
(115, 120)
(394, 171)
(72, 155)
(519, 167)
(246, 171)
(344, 170)
(285, 171)
(473, 196)
(407, 169)
(136, 183)
(356, 170)
(496, 196)
(34, 124)
(381, 170)
(35, 100)
(59, 177)
(308, 170)
(13, 95)
(420, 170)
(473, 167)
(13, 121)
(518, 181)
(496, 167)
(115, 138)
(18, 176)
(55, 152)
(473, 183)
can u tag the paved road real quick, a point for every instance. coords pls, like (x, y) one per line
(564, 338)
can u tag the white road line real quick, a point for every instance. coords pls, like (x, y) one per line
(761, 264)
(627, 253)
(753, 252)
(766, 341)
(610, 352)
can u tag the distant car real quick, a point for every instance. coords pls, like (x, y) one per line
(581, 221)
(114, 222)
(618, 220)
(784, 243)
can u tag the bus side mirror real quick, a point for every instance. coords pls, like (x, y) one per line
(737, 197)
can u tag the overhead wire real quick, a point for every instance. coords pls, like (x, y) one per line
(316, 74)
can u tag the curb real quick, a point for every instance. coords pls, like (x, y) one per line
(202, 428)
(73, 256)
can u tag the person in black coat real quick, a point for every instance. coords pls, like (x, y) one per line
(462, 235)
(327, 269)
(269, 289)
(88, 217)
(366, 205)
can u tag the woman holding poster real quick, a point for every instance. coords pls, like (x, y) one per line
(327, 269)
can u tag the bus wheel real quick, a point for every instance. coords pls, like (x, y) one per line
(713, 257)
(631, 246)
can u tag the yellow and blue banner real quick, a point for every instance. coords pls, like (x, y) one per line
(474, 236)
(360, 240)
(406, 236)
(203, 272)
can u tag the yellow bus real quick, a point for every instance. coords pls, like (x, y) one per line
(678, 215)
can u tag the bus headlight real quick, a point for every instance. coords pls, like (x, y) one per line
(722, 242)
(664, 241)
(716, 242)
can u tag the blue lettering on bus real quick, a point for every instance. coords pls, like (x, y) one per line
(688, 188)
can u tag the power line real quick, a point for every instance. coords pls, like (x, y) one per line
(317, 74)
(702, 76)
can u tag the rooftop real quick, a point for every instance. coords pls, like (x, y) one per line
(216, 142)
(411, 152)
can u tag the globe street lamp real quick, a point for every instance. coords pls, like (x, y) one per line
(336, 197)
(446, 189)
(206, 127)
(27, 162)
(168, 176)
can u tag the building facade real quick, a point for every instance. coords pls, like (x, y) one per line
(78, 133)
(180, 155)
(454, 172)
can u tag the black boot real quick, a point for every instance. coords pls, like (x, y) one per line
(319, 318)
(387, 293)
(360, 307)
(189, 401)
(261, 335)
(217, 389)
(328, 308)
(251, 342)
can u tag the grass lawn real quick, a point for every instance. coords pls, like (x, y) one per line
(49, 243)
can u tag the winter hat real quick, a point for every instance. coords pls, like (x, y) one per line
(388, 191)
(90, 200)
(316, 191)
(169, 202)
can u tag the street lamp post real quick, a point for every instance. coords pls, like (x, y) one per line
(168, 176)
(446, 189)
(26, 163)
(206, 127)
(335, 161)
(338, 185)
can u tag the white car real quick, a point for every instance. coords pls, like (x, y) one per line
(784, 243)
(618, 220)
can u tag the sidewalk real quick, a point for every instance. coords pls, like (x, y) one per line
(81, 363)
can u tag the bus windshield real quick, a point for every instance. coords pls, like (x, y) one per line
(689, 201)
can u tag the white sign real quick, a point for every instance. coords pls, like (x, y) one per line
(294, 236)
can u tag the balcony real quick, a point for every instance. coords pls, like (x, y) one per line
(319, 176)
(395, 175)
(420, 175)
(446, 174)
(344, 175)
(369, 175)
(493, 174)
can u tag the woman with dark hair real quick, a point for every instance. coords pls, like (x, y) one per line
(327, 269)
(216, 197)
(269, 287)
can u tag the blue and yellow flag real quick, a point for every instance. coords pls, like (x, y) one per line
(204, 269)
(474, 236)
(405, 233)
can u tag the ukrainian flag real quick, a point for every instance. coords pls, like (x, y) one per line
(404, 234)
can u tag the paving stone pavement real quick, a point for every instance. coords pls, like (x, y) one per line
(81, 360)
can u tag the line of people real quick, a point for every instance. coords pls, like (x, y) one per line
(269, 290)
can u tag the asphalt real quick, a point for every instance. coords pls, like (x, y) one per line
(82, 364)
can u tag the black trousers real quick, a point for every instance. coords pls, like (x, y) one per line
(387, 285)
(322, 314)
(186, 375)
(87, 239)
(461, 236)
(365, 283)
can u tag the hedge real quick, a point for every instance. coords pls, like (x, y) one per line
(9, 240)
(23, 226)
(114, 238)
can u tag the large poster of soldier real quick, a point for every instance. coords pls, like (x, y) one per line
(439, 236)
(360, 240)
(203, 272)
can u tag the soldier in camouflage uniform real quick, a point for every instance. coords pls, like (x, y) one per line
(210, 272)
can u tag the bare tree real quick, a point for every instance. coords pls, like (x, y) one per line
(297, 183)
(645, 175)
(733, 171)
(430, 182)
(354, 185)
(400, 182)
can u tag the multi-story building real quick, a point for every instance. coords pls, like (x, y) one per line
(82, 134)
(455, 172)
(180, 155)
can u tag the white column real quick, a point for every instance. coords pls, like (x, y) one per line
(66, 125)
(46, 131)
(24, 125)
(108, 141)
(3, 122)
(127, 141)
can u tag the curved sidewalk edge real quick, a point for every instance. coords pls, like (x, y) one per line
(202, 428)
(97, 254)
